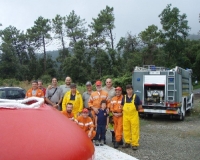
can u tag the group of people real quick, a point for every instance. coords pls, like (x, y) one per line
(94, 111)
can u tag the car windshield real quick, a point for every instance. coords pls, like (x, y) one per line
(3, 94)
(12, 93)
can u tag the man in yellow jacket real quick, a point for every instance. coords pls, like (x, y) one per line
(73, 96)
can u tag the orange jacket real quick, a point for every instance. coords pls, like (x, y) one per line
(39, 93)
(115, 104)
(96, 98)
(85, 123)
(68, 115)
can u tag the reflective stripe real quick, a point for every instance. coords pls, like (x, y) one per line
(117, 102)
(158, 111)
(113, 102)
(89, 123)
(81, 124)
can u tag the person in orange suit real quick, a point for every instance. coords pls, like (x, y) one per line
(96, 97)
(86, 123)
(68, 113)
(35, 91)
(116, 109)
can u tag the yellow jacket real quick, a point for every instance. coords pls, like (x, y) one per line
(77, 103)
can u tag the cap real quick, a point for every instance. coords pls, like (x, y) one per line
(118, 88)
(88, 83)
(85, 110)
(98, 83)
(72, 85)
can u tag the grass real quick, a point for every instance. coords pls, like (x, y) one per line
(196, 86)
(195, 112)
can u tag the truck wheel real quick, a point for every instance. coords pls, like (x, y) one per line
(149, 115)
(141, 115)
(182, 116)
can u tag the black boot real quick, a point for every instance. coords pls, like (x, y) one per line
(113, 136)
(116, 144)
(121, 142)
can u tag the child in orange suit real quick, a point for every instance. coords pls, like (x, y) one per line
(86, 123)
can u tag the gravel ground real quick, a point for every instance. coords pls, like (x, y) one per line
(162, 138)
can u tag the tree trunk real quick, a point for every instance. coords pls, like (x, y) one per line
(63, 43)
(111, 38)
(43, 41)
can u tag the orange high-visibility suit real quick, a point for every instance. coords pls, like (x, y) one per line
(39, 93)
(130, 122)
(86, 124)
(77, 103)
(68, 115)
(115, 107)
(96, 98)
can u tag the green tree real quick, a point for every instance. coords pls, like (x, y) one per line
(40, 36)
(193, 56)
(101, 42)
(101, 65)
(51, 67)
(77, 65)
(103, 26)
(129, 47)
(175, 30)
(59, 29)
(151, 39)
(14, 53)
(75, 28)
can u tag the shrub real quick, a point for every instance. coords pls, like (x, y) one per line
(10, 82)
(46, 79)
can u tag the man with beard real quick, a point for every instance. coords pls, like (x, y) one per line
(68, 113)
(66, 86)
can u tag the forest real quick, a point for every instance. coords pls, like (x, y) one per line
(88, 51)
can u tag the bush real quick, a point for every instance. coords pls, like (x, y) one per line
(1, 82)
(46, 79)
(10, 82)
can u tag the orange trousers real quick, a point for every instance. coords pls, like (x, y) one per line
(118, 127)
(93, 116)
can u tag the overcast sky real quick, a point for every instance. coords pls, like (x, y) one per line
(130, 15)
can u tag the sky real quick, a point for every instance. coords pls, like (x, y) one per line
(131, 16)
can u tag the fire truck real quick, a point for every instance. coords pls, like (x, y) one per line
(163, 91)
